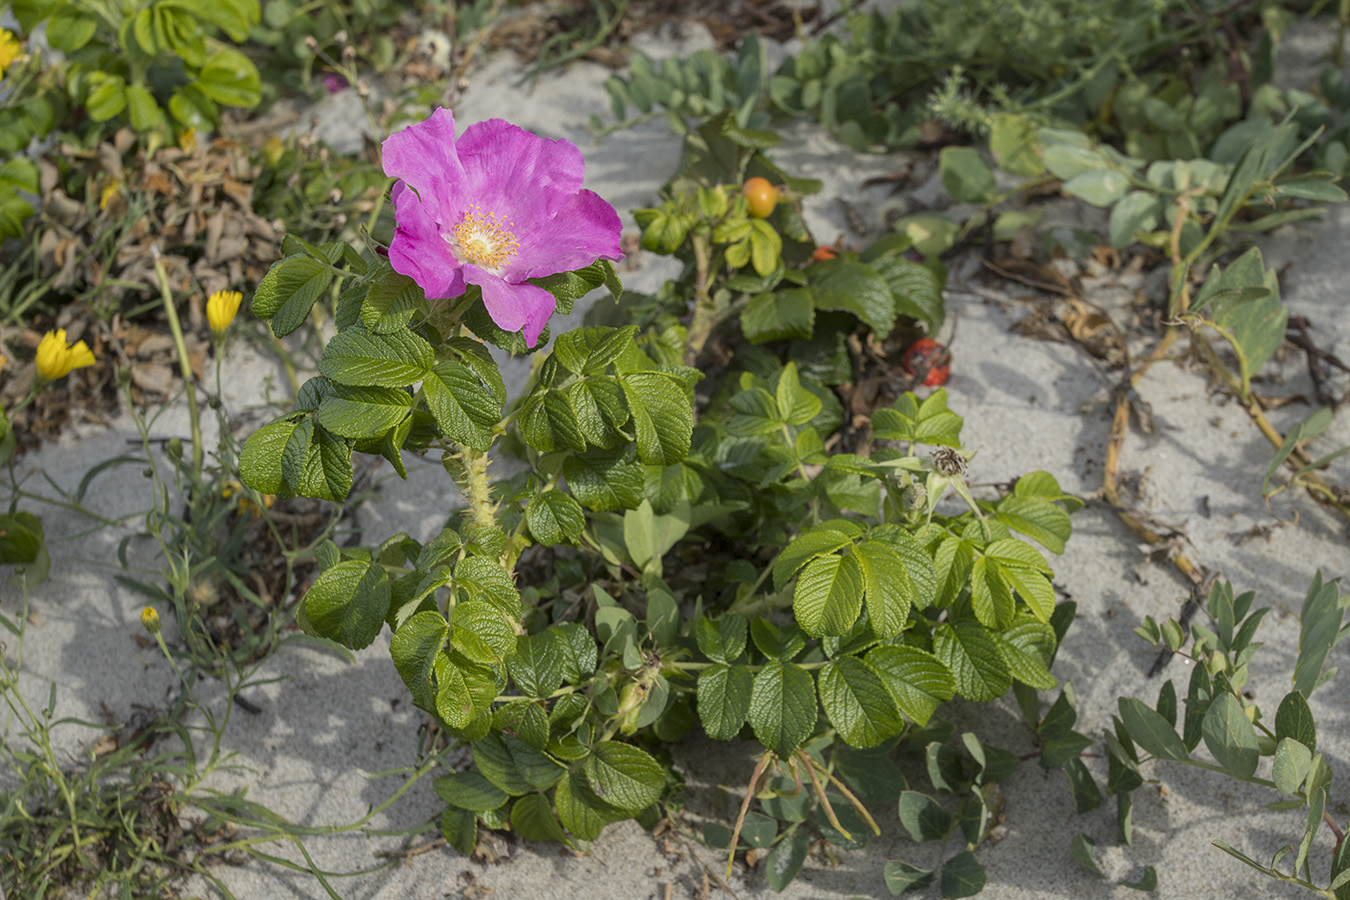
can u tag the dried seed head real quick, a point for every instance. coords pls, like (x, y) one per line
(948, 462)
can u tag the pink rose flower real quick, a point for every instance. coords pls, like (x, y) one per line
(496, 207)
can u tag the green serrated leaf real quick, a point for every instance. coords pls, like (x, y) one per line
(888, 587)
(538, 665)
(778, 316)
(393, 360)
(969, 650)
(854, 287)
(782, 707)
(482, 632)
(347, 603)
(363, 412)
(471, 791)
(604, 480)
(485, 579)
(829, 595)
(624, 776)
(514, 766)
(288, 292)
(723, 640)
(918, 680)
(857, 703)
(555, 518)
(581, 811)
(414, 648)
(815, 541)
(316, 463)
(260, 460)
(723, 699)
(663, 418)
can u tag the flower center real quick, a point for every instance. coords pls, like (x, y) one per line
(483, 241)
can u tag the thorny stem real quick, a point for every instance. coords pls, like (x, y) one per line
(705, 309)
(473, 482)
(176, 329)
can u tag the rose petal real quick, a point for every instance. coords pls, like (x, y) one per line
(499, 157)
(520, 177)
(424, 156)
(584, 228)
(419, 251)
(513, 306)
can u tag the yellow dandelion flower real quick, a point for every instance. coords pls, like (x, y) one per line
(221, 308)
(55, 358)
(10, 48)
(111, 190)
(150, 619)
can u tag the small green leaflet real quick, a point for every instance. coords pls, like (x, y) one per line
(464, 409)
(973, 656)
(317, 463)
(857, 702)
(347, 603)
(624, 776)
(1229, 735)
(828, 596)
(782, 707)
(393, 360)
(288, 292)
(1150, 730)
(827, 537)
(555, 518)
(260, 460)
(414, 648)
(918, 680)
(723, 699)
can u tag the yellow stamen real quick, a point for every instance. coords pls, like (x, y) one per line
(482, 240)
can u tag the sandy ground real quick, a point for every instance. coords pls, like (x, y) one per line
(325, 723)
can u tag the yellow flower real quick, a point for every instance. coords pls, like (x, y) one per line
(220, 311)
(10, 48)
(150, 619)
(187, 140)
(111, 190)
(55, 358)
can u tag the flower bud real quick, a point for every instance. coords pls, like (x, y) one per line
(150, 619)
(174, 448)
